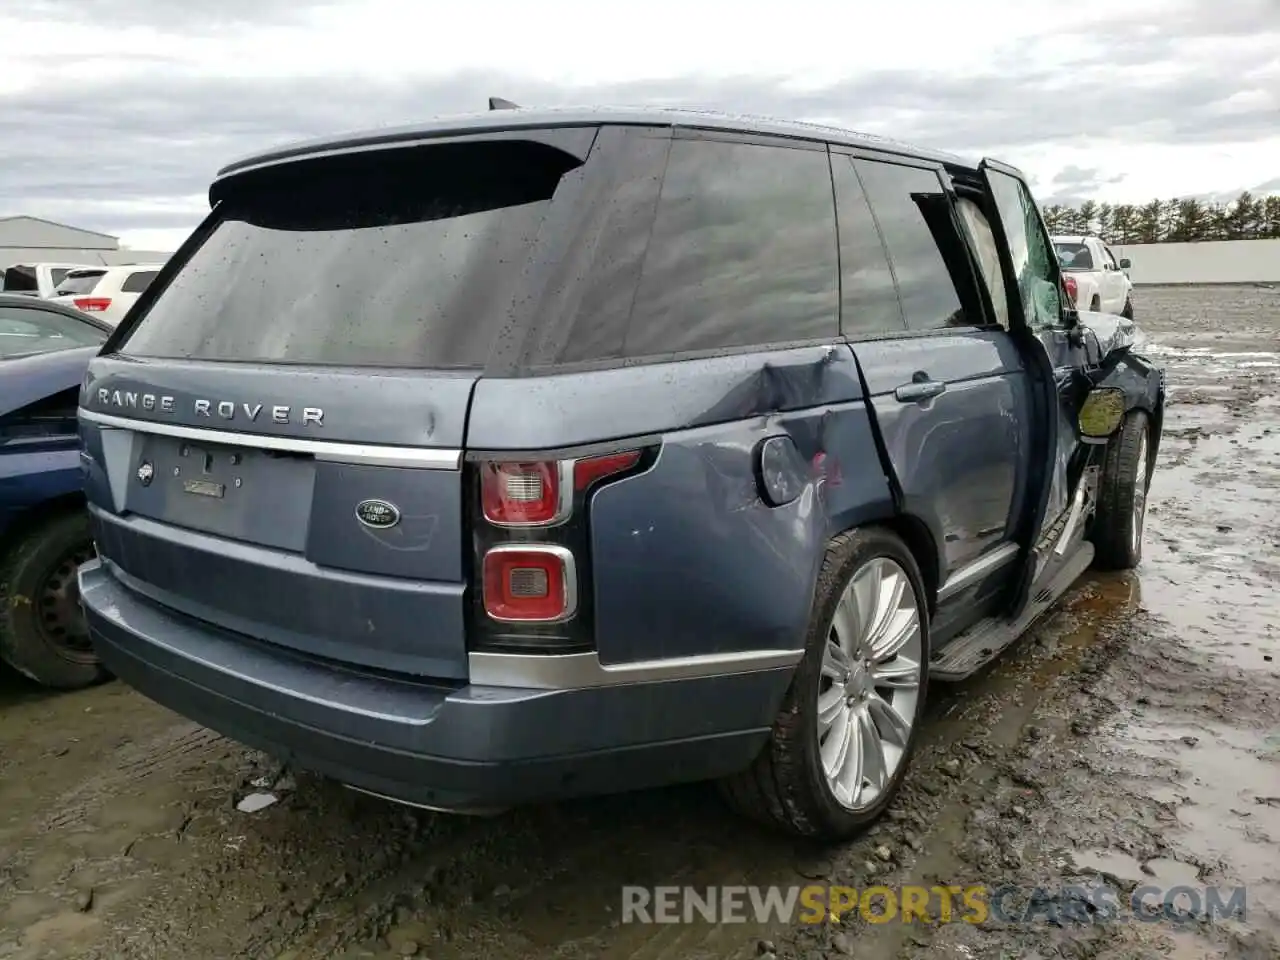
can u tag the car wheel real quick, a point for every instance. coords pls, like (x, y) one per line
(842, 741)
(1127, 312)
(1122, 496)
(42, 628)
(1096, 305)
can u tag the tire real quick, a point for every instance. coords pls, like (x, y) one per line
(787, 786)
(1127, 311)
(1096, 304)
(42, 629)
(1122, 496)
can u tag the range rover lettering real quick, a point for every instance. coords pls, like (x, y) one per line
(545, 453)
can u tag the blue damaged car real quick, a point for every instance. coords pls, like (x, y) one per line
(544, 453)
(44, 529)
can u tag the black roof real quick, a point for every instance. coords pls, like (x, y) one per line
(527, 118)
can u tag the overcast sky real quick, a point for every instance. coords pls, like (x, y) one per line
(114, 114)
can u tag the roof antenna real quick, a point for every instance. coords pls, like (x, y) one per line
(497, 103)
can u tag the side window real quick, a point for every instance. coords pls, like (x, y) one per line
(626, 176)
(910, 206)
(138, 281)
(742, 252)
(984, 243)
(1030, 251)
(58, 274)
(869, 298)
(1111, 259)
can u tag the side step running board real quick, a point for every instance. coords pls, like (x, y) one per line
(987, 639)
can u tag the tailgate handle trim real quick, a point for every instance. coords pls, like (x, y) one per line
(423, 458)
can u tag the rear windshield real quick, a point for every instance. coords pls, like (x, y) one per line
(1074, 256)
(397, 258)
(20, 279)
(79, 282)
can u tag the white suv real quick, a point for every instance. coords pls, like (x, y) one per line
(1094, 279)
(106, 292)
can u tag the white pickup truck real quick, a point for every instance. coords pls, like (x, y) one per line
(1095, 280)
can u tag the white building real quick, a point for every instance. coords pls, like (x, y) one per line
(32, 240)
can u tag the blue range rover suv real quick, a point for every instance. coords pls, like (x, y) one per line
(544, 453)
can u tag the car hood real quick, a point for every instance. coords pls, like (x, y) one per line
(24, 380)
(1113, 332)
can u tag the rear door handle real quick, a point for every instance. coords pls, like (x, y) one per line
(918, 390)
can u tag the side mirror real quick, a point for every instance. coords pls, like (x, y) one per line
(1101, 414)
(1125, 263)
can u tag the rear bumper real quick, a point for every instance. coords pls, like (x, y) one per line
(449, 747)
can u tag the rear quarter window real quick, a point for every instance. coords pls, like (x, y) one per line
(138, 282)
(401, 258)
(743, 251)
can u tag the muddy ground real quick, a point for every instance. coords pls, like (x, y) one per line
(1133, 739)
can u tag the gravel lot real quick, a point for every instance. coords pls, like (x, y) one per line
(1133, 738)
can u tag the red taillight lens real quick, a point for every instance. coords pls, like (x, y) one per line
(529, 584)
(92, 304)
(591, 469)
(521, 494)
(1073, 288)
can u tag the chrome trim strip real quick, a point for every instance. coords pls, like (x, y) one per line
(330, 450)
(576, 670)
(568, 571)
(971, 573)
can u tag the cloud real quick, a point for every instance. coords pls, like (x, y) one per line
(189, 15)
(134, 147)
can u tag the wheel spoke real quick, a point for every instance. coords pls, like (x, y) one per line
(849, 777)
(874, 766)
(890, 724)
(892, 588)
(902, 673)
(865, 594)
(903, 628)
(830, 705)
(847, 623)
(835, 662)
(836, 747)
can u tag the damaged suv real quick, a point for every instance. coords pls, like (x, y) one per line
(545, 453)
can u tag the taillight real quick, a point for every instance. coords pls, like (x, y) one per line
(532, 550)
(1073, 288)
(588, 471)
(524, 494)
(540, 493)
(92, 304)
(530, 583)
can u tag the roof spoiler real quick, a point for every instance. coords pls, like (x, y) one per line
(497, 103)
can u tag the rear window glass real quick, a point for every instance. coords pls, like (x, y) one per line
(24, 331)
(411, 257)
(79, 282)
(20, 279)
(138, 282)
(743, 251)
(1074, 256)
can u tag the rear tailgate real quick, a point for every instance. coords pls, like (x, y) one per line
(274, 445)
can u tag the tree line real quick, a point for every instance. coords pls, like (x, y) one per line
(1170, 221)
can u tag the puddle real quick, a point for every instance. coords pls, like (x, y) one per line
(1163, 871)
